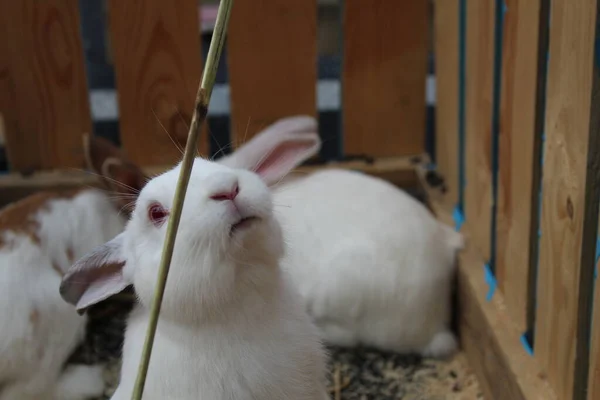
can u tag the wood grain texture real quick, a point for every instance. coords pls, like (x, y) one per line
(518, 155)
(157, 59)
(272, 54)
(563, 243)
(488, 335)
(43, 88)
(400, 171)
(383, 77)
(594, 371)
(446, 21)
(478, 136)
(587, 361)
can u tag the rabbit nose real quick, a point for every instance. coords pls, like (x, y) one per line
(227, 194)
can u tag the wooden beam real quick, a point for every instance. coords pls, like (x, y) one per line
(157, 59)
(519, 150)
(398, 170)
(478, 135)
(446, 108)
(272, 55)
(569, 200)
(383, 77)
(43, 88)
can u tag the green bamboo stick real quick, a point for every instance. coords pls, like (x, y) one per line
(200, 111)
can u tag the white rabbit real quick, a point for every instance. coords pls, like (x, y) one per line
(230, 326)
(371, 262)
(40, 237)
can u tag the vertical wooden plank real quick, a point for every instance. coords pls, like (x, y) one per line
(518, 152)
(157, 59)
(569, 199)
(446, 21)
(383, 77)
(594, 374)
(43, 88)
(479, 76)
(272, 54)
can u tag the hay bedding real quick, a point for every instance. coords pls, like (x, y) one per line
(355, 374)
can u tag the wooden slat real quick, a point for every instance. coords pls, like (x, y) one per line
(479, 77)
(446, 108)
(398, 170)
(383, 77)
(272, 55)
(518, 152)
(157, 59)
(594, 374)
(488, 336)
(568, 211)
(43, 88)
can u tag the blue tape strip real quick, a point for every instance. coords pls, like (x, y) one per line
(526, 345)
(430, 166)
(490, 280)
(458, 217)
(504, 7)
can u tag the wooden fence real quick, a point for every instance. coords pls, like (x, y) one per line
(517, 141)
(155, 46)
(517, 138)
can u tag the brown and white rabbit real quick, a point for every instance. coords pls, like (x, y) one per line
(231, 325)
(40, 237)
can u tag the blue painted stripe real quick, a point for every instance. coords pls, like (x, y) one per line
(458, 217)
(526, 345)
(490, 279)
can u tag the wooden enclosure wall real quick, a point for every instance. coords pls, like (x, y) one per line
(540, 284)
(155, 45)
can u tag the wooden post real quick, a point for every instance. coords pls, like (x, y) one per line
(157, 58)
(594, 368)
(479, 76)
(272, 56)
(383, 77)
(569, 200)
(43, 88)
(446, 20)
(519, 152)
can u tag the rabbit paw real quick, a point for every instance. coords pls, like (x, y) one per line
(80, 382)
(442, 345)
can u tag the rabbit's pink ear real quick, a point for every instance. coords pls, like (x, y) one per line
(278, 149)
(96, 276)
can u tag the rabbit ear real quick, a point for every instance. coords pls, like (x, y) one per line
(278, 149)
(96, 276)
(119, 174)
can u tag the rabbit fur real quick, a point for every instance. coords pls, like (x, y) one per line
(40, 237)
(231, 325)
(373, 265)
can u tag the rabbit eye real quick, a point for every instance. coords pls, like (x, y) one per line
(157, 214)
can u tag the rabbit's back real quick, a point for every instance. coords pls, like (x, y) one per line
(371, 262)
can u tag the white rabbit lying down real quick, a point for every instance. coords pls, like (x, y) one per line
(231, 325)
(373, 265)
(40, 237)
